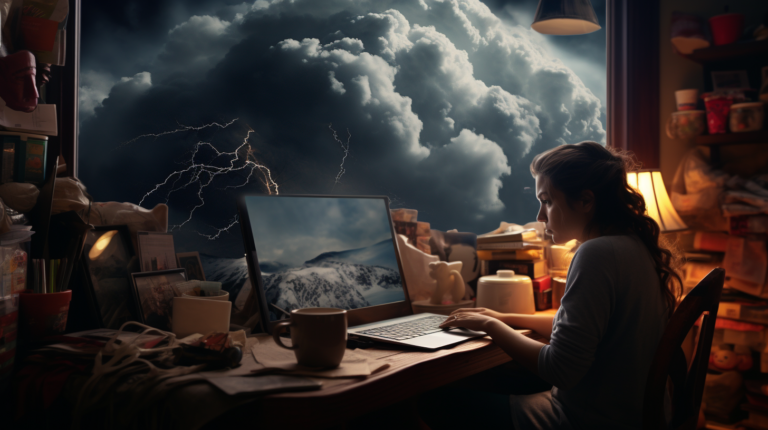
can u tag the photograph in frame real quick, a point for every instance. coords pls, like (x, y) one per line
(154, 294)
(730, 80)
(109, 260)
(190, 261)
(156, 251)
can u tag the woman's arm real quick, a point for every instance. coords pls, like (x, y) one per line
(541, 324)
(516, 345)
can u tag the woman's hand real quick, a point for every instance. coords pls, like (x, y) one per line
(476, 321)
(482, 311)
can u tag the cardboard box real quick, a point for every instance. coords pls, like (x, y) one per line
(30, 158)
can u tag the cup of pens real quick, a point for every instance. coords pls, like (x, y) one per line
(44, 307)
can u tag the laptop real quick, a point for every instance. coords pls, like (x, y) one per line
(339, 252)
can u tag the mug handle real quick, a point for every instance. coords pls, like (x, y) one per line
(279, 328)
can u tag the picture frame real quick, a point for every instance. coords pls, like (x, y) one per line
(730, 80)
(156, 251)
(154, 294)
(108, 259)
(191, 262)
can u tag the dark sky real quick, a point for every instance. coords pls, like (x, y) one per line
(445, 103)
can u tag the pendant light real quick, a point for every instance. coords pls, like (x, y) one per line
(565, 17)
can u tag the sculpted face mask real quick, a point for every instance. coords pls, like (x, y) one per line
(17, 81)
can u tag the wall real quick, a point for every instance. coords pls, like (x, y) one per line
(678, 73)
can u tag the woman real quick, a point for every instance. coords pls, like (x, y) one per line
(620, 291)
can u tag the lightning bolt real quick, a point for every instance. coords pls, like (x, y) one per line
(201, 173)
(344, 147)
(181, 128)
(219, 231)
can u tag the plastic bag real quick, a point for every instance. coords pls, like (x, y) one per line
(18, 196)
(69, 195)
(695, 190)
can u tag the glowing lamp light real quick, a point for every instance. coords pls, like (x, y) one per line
(101, 244)
(657, 203)
(565, 17)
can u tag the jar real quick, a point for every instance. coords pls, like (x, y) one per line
(746, 117)
(718, 107)
(686, 124)
(559, 277)
(506, 292)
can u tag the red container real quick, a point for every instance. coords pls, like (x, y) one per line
(718, 108)
(726, 28)
(42, 315)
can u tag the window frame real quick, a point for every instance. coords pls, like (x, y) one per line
(632, 78)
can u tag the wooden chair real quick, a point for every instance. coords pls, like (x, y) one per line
(687, 382)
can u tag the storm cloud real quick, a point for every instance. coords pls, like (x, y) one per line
(443, 103)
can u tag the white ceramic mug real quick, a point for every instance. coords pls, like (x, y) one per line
(318, 335)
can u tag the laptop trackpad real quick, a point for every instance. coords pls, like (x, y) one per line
(443, 338)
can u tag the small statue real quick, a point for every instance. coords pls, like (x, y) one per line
(448, 277)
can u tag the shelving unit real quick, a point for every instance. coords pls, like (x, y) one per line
(715, 141)
(749, 56)
(732, 51)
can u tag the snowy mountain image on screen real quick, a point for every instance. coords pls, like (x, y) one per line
(343, 279)
(348, 279)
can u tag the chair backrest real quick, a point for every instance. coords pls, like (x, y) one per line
(687, 382)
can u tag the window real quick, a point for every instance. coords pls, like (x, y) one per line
(438, 105)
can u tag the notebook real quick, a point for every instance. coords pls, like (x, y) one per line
(340, 252)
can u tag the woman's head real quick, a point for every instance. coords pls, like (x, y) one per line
(584, 193)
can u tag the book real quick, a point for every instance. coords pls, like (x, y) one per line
(7, 157)
(40, 121)
(528, 235)
(533, 269)
(508, 245)
(518, 254)
(542, 293)
(744, 312)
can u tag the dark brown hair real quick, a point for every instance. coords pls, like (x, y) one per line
(619, 208)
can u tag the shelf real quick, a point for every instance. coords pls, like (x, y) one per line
(733, 138)
(731, 51)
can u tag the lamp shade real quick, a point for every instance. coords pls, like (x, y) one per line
(565, 17)
(657, 203)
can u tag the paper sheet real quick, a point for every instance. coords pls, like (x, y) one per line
(263, 384)
(276, 359)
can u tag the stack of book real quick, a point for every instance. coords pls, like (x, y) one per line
(521, 251)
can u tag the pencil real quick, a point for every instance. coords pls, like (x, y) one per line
(43, 284)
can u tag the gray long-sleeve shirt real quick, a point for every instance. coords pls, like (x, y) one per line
(604, 335)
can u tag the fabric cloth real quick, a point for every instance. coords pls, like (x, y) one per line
(604, 336)
(534, 412)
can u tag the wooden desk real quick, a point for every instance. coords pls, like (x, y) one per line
(410, 373)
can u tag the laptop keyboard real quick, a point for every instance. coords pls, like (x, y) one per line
(408, 329)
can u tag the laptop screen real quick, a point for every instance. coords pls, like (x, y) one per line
(324, 252)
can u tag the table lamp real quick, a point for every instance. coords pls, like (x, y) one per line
(657, 203)
(565, 17)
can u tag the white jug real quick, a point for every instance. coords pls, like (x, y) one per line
(506, 292)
